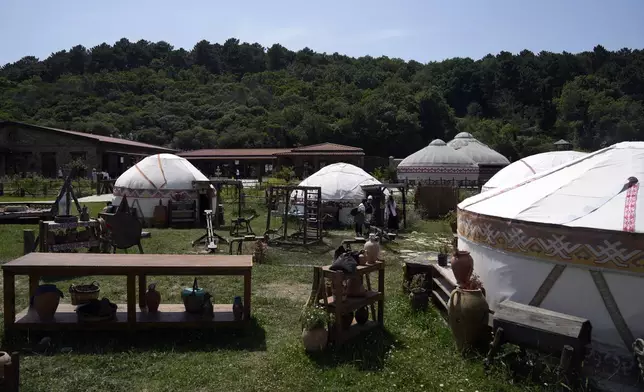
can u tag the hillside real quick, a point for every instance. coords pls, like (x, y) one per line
(241, 95)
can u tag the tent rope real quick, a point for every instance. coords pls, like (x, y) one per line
(529, 167)
(612, 308)
(165, 180)
(144, 176)
(547, 285)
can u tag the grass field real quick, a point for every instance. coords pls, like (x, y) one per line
(415, 352)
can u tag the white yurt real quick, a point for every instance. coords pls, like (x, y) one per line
(568, 239)
(529, 166)
(340, 183)
(158, 177)
(437, 161)
(489, 161)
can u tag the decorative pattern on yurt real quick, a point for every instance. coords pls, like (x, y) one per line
(158, 177)
(568, 239)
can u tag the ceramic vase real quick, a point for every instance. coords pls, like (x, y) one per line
(45, 301)
(467, 315)
(5, 359)
(372, 250)
(238, 309)
(152, 298)
(462, 266)
(315, 339)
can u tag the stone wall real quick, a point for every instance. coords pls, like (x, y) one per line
(25, 147)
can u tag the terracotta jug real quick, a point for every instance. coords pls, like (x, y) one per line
(5, 359)
(467, 315)
(315, 339)
(372, 250)
(152, 298)
(462, 266)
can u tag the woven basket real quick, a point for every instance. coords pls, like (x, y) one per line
(83, 293)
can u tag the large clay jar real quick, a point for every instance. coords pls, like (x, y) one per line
(5, 359)
(152, 298)
(462, 266)
(315, 339)
(45, 301)
(372, 250)
(468, 314)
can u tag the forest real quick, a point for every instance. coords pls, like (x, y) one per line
(244, 95)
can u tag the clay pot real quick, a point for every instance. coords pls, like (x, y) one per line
(347, 320)
(372, 250)
(362, 315)
(467, 315)
(462, 266)
(152, 298)
(46, 300)
(315, 339)
(419, 299)
(5, 359)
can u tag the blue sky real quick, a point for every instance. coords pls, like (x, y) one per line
(423, 30)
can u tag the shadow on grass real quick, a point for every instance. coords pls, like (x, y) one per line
(251, 338)
(367, 351)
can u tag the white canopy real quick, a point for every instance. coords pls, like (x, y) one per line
(480, 153)
(568, 239)
(529, 166)
(437, 161)
(341, 183)
(158, 177)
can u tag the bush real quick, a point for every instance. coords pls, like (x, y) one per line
(285, 173)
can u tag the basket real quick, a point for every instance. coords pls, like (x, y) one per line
(193, 299)
(84, 293)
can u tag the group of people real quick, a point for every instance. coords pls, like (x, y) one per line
(363, 215)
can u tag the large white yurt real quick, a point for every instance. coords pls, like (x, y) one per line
(158, 177)
(340, 183)
(437, 161)
(568, 239)
(529, 166)
(489, 161)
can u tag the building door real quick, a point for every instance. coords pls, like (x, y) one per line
(48, 164)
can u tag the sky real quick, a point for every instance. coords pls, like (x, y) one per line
(422, 30)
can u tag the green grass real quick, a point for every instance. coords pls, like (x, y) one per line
(414, 353)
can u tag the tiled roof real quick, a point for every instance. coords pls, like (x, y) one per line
(234, 153)
(322, 153)
(100, 138)
(327, 147)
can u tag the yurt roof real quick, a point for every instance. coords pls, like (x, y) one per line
(437, 153)
(340, 182)
(480, 153)
(592, 192)
(160, 171)
(530, 166)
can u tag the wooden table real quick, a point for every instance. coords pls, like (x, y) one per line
(36, 265)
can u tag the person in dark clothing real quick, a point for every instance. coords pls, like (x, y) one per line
(392, 215)
(359, 218)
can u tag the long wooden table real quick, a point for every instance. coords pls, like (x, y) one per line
(36, 265)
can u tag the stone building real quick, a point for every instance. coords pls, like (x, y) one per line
(31, 148)
(258, 162)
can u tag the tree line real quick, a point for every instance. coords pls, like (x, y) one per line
(244, 95)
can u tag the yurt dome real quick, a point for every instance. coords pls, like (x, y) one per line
(437, 161)
(157, 177)
(568, 239)
(341, 183)
(480, 153)
(530, 166)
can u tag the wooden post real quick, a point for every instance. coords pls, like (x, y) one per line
(9, 285)
(131, 300)
(142, 289)
(270, 207)
(34, 282)
(306, 213)
(404, 201)
(28, 241)
(42, 235)
(381, 288)
(247, 293)
(566, 358)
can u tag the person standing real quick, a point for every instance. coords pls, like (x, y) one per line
(392, 216)
(359, 218)
(368, 213)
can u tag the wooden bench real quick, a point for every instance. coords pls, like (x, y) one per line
(543, 330)
(36, 265)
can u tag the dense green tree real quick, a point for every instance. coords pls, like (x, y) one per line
(239, 94)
